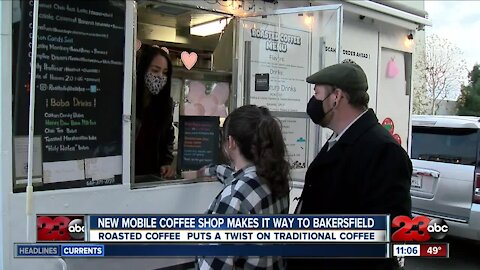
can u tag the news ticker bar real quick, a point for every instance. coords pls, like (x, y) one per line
(333, 250)
(436, 250)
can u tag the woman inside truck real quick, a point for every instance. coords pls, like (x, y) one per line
(154, 114)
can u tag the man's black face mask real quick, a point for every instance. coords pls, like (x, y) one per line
(315, 109)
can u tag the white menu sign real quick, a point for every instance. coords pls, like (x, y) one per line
(279, 66)
(295, 136)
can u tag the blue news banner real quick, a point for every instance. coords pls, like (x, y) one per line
(221, 235)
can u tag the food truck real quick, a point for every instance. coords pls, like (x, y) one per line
(68, 124)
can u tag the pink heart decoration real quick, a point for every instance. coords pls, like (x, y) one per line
(221, 91)
(189, 59)
(222, 111)
(210, 103)
(196, 91)
(392, 69)
(193, 109)
(165, 50)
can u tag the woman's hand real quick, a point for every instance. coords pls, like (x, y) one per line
(167, 171)
(201, 172)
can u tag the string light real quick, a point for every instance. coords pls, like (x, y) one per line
(308, 20)
(408, 42)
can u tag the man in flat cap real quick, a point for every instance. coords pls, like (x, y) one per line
(360, 170)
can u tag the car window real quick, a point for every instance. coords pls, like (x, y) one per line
(448, 145)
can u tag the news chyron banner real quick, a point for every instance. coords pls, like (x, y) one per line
(238, 229)
(209, 235)
(241, 235)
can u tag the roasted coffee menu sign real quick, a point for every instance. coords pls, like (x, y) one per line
(198, 141)
(79, 90)
(282, 53)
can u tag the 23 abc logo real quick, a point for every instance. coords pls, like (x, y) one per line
(60, 228)
(418, 229)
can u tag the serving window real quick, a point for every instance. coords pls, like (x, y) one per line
(82, 73)
(200, 47)
(86, 103)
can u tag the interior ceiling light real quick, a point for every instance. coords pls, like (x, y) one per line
(210, 28)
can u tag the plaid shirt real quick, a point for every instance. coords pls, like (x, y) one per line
(244, 193)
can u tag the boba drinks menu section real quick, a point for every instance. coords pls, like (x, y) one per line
(79, 84)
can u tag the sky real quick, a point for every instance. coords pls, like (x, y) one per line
(458, 21)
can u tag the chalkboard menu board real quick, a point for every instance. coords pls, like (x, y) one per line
(198, 143)
(79, 92)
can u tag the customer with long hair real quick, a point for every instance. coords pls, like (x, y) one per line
(154, 113)
(257, 182)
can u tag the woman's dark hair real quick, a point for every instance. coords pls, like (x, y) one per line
(259, 137)
(162, 101)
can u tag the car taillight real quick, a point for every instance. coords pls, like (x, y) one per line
(476, 189)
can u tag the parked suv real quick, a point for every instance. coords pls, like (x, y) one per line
(446, 173)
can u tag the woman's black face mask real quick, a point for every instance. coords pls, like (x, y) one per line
(315, 109)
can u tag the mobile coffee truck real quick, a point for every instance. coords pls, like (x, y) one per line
(73, 143)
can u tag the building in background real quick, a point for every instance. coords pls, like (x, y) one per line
(447, 107)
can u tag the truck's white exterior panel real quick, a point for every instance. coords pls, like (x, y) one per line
(377, 40)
